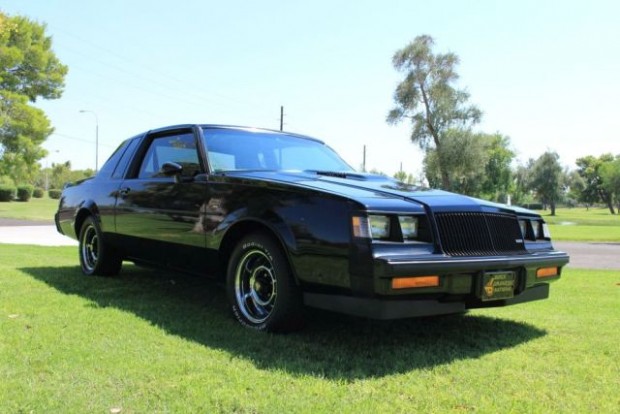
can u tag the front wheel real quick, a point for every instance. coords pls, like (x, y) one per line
(261, 289)
(96, 257)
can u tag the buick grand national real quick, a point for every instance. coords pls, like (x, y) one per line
(286, 224)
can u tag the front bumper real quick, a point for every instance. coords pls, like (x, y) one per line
(408, 308)
(460, 286)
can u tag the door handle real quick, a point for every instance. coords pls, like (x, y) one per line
(124, 191)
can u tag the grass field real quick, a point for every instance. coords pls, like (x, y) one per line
(149, 341)
(580, 224)
(35, 209)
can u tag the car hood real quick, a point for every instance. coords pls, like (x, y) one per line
(377, 192)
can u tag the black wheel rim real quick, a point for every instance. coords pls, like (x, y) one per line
(90, 248)
(255, 286)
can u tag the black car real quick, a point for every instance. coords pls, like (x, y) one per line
(285, 222)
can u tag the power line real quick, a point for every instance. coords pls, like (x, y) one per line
(79, 139)
(166, 76)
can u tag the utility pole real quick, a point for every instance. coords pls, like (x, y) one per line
(83, 111)
(364, 160)
(281, 117)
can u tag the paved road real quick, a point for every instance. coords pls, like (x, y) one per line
(591, 255)
(582, 255)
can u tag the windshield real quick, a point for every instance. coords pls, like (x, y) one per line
(240, 149)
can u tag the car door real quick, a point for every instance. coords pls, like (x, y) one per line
(158, 213)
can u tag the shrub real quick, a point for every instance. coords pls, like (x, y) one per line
(24, 192)
(38, 192)
(54, 193)
(7, 192)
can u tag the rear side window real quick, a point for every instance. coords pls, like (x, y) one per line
(121, 167)
(178, 148)
(112, 162)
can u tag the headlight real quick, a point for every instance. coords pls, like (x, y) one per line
(523, 226)
(536, 228)
(379, 227)
(408, 226)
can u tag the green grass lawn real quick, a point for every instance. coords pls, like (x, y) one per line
(580, 224)
(35, 209)
(151, 341)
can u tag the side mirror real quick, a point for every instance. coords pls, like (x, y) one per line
(172, 169)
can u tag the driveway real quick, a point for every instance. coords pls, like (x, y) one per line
(42, 233)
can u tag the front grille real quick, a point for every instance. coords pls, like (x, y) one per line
(479, 234)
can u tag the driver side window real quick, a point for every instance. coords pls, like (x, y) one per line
(177, 148)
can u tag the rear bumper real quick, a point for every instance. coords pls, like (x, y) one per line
(398, 308)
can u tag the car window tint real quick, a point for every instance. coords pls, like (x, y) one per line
(233, 149)
(180, 149)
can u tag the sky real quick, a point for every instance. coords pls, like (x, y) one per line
(544, 73)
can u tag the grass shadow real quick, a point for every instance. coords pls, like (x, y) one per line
(331, 346)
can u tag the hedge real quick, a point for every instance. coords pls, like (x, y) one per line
(38, 192)
(24, 192)
(54, 193)
(7, 192)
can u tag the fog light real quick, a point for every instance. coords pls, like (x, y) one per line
(415, 282)
(547, 272)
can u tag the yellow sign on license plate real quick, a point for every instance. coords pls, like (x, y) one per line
(498, 285)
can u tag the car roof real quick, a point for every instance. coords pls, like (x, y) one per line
(233, 127)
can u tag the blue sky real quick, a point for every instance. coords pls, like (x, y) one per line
(545, 73)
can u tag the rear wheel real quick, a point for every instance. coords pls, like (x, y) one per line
(261, 289)
(97, 257)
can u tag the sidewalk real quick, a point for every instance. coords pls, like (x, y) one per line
(42, 235)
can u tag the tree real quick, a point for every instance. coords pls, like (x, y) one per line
(548, 179)
(476, 164)
(23, 131)
(403, 177)
(610, 175)
(29, 70)
(497, 182)
(589, 169)
(59, 174)
(576, 187)
(463, 157)
(522, 184)
(428, 99)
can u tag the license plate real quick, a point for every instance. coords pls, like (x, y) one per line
(498, 285)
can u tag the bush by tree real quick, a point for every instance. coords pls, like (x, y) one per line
(7, 192)
(24, 192)
(54, 193)
(38, 192)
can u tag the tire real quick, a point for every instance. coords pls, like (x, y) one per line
(260, 286)
(96, 257)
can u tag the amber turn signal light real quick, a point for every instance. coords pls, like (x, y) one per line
(547, 272)
(415, 282)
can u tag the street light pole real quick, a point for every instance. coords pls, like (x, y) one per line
(96, 136)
